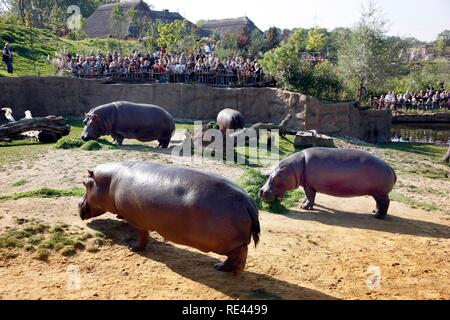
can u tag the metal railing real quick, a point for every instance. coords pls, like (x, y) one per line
(191, 77)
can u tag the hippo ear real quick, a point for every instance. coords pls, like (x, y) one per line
(94, 117)
(90, 173)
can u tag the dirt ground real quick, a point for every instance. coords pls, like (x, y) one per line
(337, 251)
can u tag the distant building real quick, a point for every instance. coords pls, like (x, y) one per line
(224, 26)
(100, 23)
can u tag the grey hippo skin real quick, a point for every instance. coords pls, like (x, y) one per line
(122, 119)
(185, 206)
(336, 172)
(230, 119)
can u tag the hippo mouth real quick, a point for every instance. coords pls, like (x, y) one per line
(84, 209)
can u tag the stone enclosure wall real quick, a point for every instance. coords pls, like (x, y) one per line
(73, 97)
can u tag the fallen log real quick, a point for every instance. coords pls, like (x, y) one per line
(54, 124)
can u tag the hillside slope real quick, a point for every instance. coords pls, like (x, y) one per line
(40, 46)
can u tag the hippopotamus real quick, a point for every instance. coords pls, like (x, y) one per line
(185, 206)
(122, 119)
(230, 119)
(336, 172)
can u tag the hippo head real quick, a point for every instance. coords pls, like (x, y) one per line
(92, 199)
(92, 126)
(281, 179)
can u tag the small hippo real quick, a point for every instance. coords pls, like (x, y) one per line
(230, 119)
(336, 172)
(123, 119)
(185, 206)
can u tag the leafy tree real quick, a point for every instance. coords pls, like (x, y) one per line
(443, 41)
(297, 40)
(177, 36)
(258, 44)
(316, 40)
(365, 56)
(244, 39)
(273, 38)
(285, 65)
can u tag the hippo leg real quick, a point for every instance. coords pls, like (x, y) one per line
(308, 204)
(163, 143)
(382, 206)
(118, 139)
(141, 242)
(235, 262)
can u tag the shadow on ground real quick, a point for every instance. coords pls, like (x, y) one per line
(199, 268)
(392, 223)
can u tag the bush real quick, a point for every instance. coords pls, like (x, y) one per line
(252, 180)
(68, 143)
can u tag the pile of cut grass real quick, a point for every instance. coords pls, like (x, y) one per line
(252, 180)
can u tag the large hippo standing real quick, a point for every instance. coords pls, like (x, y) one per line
(123, 119)
(336, 172)
(185, 206)
(230, 119)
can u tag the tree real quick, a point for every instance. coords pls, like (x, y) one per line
(119, 20)
(244, 40)
(365, 57)
(133, 17)
(177, 36)
(316, 40)
(443, 41)
(293, 73)
(273, 38)
(258, 44)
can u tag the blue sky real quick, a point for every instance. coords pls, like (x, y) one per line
(423, 19)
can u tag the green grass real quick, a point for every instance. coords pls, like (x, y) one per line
(37, 59)
(427, 150)
(252, 180)
(20, 182)
(396, 196)
(43, 240)
(44, 193)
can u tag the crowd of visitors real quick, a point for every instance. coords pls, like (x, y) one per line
(202, 66)
(429, 99)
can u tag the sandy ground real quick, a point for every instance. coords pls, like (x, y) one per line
(337, 251)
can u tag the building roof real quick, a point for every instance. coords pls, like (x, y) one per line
(99, 24)
(224, 26)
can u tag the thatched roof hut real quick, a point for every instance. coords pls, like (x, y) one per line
(224, 26)
(100, 23)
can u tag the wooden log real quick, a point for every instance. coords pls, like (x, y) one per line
(54, 124)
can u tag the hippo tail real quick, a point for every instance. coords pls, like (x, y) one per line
(254, 215)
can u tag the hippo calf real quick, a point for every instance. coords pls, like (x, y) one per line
(230, 119)
(123, 119)
(336, 172)
(185, 206)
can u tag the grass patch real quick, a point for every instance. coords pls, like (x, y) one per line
(43, 240)
(20, 182)
(45, 193)
(252, 180)
(396, 196)
(434, 152)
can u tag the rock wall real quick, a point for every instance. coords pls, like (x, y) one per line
(74, 97)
